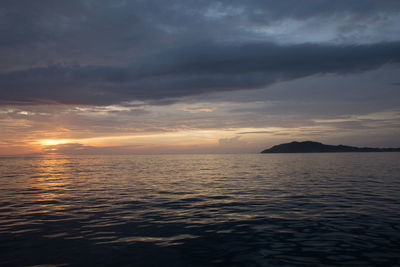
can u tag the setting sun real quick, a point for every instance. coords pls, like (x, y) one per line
(200, 133)
(53, 142)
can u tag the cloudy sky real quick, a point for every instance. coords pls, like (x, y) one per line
(197, 76)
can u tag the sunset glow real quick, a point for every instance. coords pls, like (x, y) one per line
(177, 87)
(50, 142)
(199, 133)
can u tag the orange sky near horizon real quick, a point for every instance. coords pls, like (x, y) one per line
(123, 77)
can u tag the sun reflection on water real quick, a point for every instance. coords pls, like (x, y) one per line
(249, 206)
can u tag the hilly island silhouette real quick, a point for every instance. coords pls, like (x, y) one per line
(316, 147)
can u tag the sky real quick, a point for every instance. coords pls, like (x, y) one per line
(186, 76)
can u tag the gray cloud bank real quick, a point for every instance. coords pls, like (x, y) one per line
(106, 52)
(190, 70)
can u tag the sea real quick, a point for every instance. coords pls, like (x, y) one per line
(322, 209)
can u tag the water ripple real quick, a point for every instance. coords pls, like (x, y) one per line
(235, 210)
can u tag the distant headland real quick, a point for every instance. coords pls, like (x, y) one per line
(315, 147)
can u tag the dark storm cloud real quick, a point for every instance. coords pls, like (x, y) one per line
(190, 70)
(61, 30)
(104, 52)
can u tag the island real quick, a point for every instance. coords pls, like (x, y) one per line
(316, 147)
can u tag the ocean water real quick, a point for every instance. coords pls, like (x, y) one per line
(201, 210)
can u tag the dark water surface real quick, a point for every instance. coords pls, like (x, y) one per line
(201, 210)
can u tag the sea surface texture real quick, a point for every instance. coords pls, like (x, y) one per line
(201, 210)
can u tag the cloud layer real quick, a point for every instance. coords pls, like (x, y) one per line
(103, 52)
(231, 73)
(190, 70)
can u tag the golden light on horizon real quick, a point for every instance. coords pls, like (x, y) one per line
(145, 142)
(182, 137)
(54, 142)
